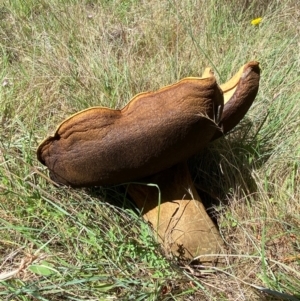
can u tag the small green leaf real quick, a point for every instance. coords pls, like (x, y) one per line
(233, 223)
(43, 269)
(105, 287)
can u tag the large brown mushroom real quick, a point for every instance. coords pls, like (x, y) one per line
(149, 141)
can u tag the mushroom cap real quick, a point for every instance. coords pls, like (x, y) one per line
(154, 131)
(239, 94)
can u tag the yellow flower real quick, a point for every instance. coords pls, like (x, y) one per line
(256, 21)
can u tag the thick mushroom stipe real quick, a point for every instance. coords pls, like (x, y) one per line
(150, 140)
(178, 218)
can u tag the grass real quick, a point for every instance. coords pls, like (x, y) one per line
(60, 57)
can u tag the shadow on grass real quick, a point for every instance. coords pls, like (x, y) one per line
(226, 167)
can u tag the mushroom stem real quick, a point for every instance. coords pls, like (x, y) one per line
(177, 214)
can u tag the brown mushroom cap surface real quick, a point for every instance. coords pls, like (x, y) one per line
(239, 94)
(155, 130)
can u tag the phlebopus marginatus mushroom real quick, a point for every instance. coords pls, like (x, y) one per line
(149, 141)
